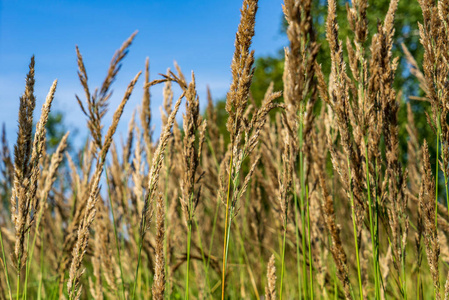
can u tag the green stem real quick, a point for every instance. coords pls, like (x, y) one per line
(5, 267)
(202, 253)
(246, 260)
(31, 251)
(39, 290)
(436, 178)
(212, 236)
(310, 245)
(189, 235)
(404, 280)
(419, 285)
(215, 216)
(371, 224)
(298, 263)
(115, 233)
(283, 258)
(355, 232)
(445, 181)
(27, 266)
(226, 236)
(18, 279)
(141, 238)
(303, 218)
(166, 207)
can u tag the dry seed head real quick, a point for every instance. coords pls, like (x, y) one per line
(241, 68)
(23, 146)
(270, 289)
(73, 285)
(25, 191)
(145, 113)
(56, 160)
(97, 103)
(427, 206)
(153, 176)
(158, 288)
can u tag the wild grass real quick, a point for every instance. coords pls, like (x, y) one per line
(308, 195)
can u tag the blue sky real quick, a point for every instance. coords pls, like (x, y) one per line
(199, 35)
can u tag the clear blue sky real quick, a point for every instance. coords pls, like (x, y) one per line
(199, 35)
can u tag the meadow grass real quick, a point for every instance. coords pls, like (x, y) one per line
(306, 194)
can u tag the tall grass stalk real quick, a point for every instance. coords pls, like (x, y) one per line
(437, 170)
(439, 132)
(203, 257)
(139, 257)
(5, 267)
(309, 245)
(19, 263)
(27, 269)
(226, 233)
(166, 207)
(31, 250)
(217, 207)
(114, 225)
(189, 237)
(41, 277)
(283, 258)
(298, 261)
(302, 198)
(372, 227)
(356, 244)
(246, 260)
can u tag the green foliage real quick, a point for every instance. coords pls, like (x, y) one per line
(222, 117)
(267, 69)
(56, 128)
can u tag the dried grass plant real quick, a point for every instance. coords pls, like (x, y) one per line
(321, 191)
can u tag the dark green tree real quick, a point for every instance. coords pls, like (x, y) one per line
(56, 129)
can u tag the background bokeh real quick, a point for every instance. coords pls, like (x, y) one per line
(199, 35)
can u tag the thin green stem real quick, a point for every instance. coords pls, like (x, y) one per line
(18, 279)
(166, 206)
(229, 234)
(298, 262)
(334, 273)
(303, 238)
(418, 284)
(212, 236)
(445, 179)
(115, 233)
(437, 169)
(283, 258)
(31, 251)
(371, 224)
(310, 245)
(189, 236)
(226, 237)
(39, 289)
(139, 256)
(5, 267)
(302, 196)
(27, 266)
(202, 253)
(246, 260)
(404, 275)
(355, 232)
(215, 216)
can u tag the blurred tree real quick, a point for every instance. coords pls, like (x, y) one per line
(56, 128)
(267, 69)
